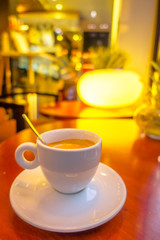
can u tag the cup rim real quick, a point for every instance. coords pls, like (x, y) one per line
(70, 150)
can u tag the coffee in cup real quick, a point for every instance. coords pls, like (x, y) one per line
(72, 143)
(67, 169)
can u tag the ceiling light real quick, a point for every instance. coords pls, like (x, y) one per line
(59, 6)
(103, 26)
(58, 31)
(93, 14)
(91, 26)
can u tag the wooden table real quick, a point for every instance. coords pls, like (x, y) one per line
(77, 109)
(134, 157)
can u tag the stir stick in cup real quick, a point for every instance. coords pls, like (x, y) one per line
(33, 128)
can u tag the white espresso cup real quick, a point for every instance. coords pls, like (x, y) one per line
(67, 170)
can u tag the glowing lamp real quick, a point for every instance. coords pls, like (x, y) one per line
(109, 88)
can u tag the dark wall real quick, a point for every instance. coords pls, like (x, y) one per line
(4, 12)
(94, 39)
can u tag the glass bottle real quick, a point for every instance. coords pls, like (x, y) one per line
(147, 116)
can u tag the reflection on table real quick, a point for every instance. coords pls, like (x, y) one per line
(77, 109)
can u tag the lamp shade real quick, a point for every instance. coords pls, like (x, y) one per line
(109, 88)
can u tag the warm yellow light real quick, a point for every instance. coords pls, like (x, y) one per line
(93, 13)
(59, 6)
(21, 8)
(76, 37)
(115, 22)
(32, 100)
(24, 27)
(78, 66)
(114, 133)
(59, 38)
(109, 88)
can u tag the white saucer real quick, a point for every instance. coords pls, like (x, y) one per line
(34, 201)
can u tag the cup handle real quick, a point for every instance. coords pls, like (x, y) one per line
(21, 160)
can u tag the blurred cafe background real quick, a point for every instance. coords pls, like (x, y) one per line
(101, 54)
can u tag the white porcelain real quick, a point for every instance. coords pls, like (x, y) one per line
(37, 203)
(67, 170)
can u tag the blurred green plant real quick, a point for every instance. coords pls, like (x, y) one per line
(147, 116)
(105, 57)
(153, 89)
(156, 65)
